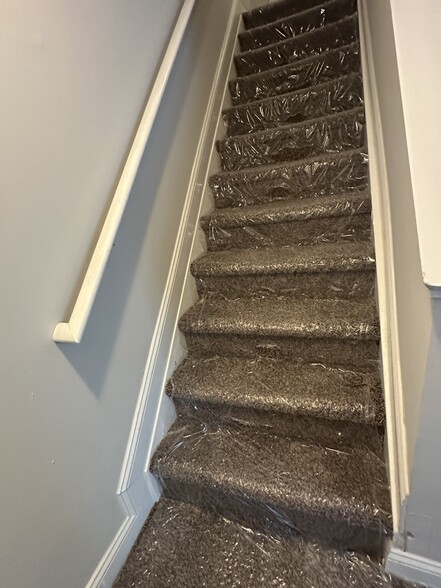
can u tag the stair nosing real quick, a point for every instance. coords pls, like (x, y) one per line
(334, 115)
(292, 209)
(185, 393)
(288, 210)
(346, 153)
(361, 514)
(315, 327)
(273, 409)
(366, 262)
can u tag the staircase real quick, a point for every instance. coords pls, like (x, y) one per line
(273, 473)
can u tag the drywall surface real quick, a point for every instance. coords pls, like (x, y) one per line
(423, 519)
(406, 49)
(418, 63)
(412, 297)
(75, 77)
(418, 46)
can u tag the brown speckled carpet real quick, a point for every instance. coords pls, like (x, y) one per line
(273, 474)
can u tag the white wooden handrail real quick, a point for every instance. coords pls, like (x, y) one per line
(72, 331)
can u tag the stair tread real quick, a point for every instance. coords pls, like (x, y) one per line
(327, 174)
(297, 24)
(265, 133)
(183, 545)
(274, 385)
(322, 257)
(289, 210)
(249, 172)
(335, 95)
(284, 317)
(332, 133)
(276, 472)
(281, 43)
(271, 12)
(291, 67)
(269, 437)
(343, 32)
(259, 104)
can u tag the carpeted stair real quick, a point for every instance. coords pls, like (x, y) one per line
(273, 473)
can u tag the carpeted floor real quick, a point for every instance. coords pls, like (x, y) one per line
(273, 473)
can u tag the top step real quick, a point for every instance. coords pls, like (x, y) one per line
(326, 38)
(296, 25)
(276, 10)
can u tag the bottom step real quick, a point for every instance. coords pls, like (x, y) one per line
(184, 546)
(276, 485)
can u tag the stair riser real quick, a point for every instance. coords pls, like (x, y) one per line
(337, 96)
(324, 178)
(276, 520)
(259, 17)
(347, 353)
(314, 43)
(346, 285)
(297, 25)
(294, 77)
(317, 138)
(337, 435)
(303, 232)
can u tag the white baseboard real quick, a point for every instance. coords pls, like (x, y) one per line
(414, 568)
(386, 285)
(116, 554)
(137, 488)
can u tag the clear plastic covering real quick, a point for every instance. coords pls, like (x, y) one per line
(297, 24)
(333, 174)
(267, 13)
(312, 228)
(273, 473)
(338, 95)
(331, 134)
(284, 399)
(183, 545)
(313, 43)
(274, 485)
(295, 76)
(341, 271)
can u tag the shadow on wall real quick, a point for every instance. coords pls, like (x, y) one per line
(121, 281)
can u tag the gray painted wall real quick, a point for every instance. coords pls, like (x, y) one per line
(412, 297)
(423, 516)
(420, 85)
(400, 85)
(75, 76)
(418, 62)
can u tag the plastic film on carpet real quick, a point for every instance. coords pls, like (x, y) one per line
(298, 24)
(348, 172)
(184, 546)
(342, 333)
(338, 95)
(277, 492)
(341, 270)
(263, 15)
(283, 399)
(296, 76)
(331, 134)
(315, 42)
